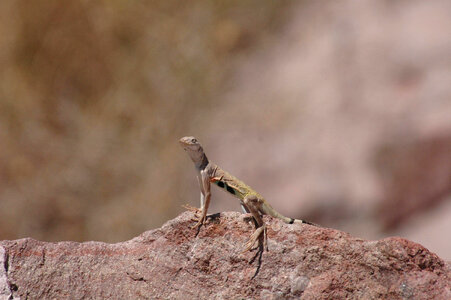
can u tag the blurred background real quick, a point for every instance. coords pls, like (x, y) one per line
(337, 112)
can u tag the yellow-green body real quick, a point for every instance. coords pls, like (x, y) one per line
(251, 201)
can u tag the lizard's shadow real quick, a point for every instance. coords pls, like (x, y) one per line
(258, 254)
(213, 218)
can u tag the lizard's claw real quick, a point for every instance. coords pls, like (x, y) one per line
(197, 211)
(197, 215)
(200, 222)
(192, 208)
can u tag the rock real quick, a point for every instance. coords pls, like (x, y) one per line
(5, 292)
(171, 263)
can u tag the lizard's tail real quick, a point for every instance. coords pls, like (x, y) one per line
(268, 210)
(298, 221)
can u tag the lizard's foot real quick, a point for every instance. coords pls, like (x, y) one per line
(197, 211)
(200, 222)
(198, 215)
(192, 208)
(260, 235)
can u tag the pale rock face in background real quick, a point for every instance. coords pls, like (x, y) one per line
(346, 120)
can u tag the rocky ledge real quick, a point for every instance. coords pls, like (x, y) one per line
(172, 263)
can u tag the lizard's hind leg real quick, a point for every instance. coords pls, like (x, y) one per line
(251, 203)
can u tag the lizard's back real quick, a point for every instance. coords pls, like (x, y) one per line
(230, 183)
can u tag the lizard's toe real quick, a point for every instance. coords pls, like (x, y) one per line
(199, 223)
(248, 246)
(192, 208)
(257, 235)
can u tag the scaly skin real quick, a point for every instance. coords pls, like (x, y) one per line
(251, 201)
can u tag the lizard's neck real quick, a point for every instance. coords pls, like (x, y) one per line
(200, 160)
(202, 163)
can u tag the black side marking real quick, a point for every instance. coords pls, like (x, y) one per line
(291, 221)
(224, 185)
(230, 190)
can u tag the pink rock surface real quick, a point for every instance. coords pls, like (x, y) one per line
(171, 263)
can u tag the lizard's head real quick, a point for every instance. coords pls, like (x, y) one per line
(192, 146)
(190, 143)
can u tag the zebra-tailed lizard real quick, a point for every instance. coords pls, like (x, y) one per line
(251, 201)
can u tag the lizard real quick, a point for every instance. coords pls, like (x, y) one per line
(251, 201)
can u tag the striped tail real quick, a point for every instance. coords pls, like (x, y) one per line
(268, 210)
(298, 221)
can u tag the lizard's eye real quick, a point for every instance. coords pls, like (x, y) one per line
(194, 141)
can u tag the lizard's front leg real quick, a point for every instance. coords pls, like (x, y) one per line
(195, 210)
(204, 182)
(252, 204)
